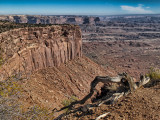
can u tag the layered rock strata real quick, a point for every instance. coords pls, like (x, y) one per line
(25, 50)
(37, 19)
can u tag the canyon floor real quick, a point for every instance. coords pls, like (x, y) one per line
(134, 57)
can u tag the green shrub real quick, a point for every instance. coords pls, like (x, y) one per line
(68, 102)
(154, 75)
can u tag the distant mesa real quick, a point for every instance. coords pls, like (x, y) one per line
(35, 19)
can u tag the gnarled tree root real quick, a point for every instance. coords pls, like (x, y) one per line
(123, 79)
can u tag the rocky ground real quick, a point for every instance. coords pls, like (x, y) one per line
(144, 104)
(50, 87)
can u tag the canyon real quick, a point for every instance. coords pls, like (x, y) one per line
(57, 60)
(49, 62)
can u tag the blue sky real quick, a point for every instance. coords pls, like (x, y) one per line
(79, 7)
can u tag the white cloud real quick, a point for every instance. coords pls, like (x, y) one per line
(148, 7)
(137, 10)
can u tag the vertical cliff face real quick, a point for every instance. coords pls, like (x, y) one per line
(30, 49)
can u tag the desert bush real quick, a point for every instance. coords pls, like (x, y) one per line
(38, 113)
(1, 61)
(1, 57)
(154, 75)
(9, 105)
(68, 102)
(12, 109)
(9, 88)
(9, 109)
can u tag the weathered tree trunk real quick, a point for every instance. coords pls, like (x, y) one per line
(123, 79)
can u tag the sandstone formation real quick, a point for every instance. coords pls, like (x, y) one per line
(37, 19)
(25, 50)
(51, 59)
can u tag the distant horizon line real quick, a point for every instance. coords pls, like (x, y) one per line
(79, 14)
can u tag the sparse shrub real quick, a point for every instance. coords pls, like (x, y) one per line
(9, 109)
(12, 109)
(154, 75)
(1, 61)
(38, 113)
(9, 105)
(1, 57)
(68, 102)
(6, 25)
(9, 87)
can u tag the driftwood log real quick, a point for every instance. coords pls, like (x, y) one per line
(126, 84)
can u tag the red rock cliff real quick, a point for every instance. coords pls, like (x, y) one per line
(30, 49)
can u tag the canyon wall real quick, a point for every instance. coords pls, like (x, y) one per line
(37, 19)
(25, 50)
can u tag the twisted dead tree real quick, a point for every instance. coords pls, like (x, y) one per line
(126, 84)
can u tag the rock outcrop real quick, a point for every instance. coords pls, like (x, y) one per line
(25, 50)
